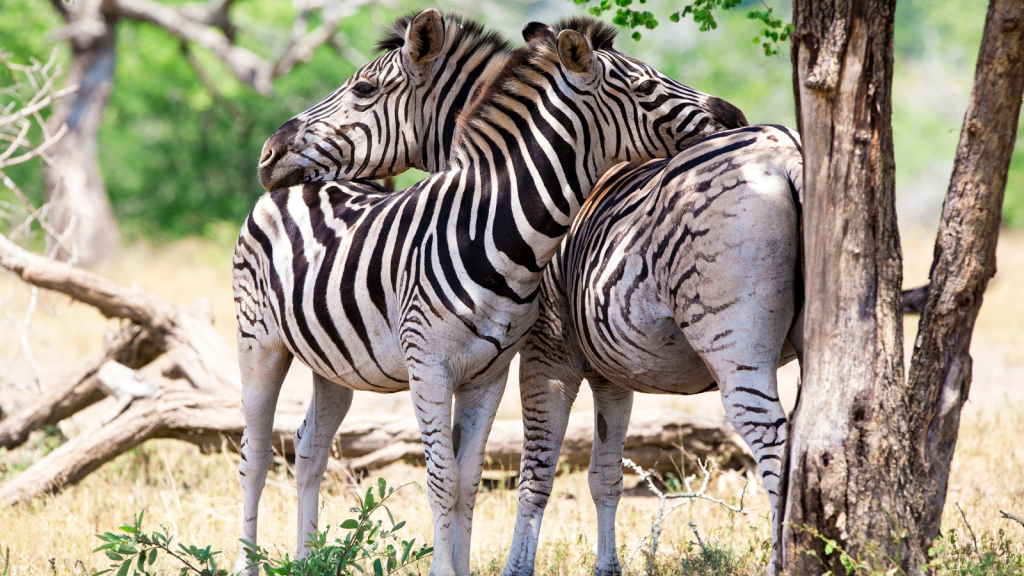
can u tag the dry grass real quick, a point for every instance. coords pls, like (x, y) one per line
(198, 496)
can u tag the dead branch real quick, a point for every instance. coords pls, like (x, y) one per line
(707, 468)
(132, 346)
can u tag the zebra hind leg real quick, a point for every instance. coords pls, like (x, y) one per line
(327, 409)
(612, 407)
(547, 391)
(751, 399)
(475, 407)
(263, 369)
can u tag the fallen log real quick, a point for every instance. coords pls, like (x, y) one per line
(133, 346)
(202, 354)
(212, 421)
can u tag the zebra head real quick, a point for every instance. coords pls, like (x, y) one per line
(396, 112)
(634, 112)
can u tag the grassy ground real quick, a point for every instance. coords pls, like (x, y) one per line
(197, 496)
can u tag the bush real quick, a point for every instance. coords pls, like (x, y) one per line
(367, 545)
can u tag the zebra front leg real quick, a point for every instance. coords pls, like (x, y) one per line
(612, 407)
(547, 393)
(313, 440)
(432, 391)
(263, 370)
(475, 407)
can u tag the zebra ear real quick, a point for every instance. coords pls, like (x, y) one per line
(574, 52)
(538, 31)
(425, 37)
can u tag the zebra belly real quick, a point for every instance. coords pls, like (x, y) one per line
(652, 356)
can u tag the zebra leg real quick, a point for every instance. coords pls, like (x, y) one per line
(752, 404)
(550, 372)
(612, 407)
(547, 392)
(432, 390)
(741, 348)
(475, 407)
(313, 440)
(263, 369)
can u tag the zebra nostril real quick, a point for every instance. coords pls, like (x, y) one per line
(268, 155)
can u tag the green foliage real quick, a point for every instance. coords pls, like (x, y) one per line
(369, 545)
(953, 555)
(136, 551)
(712, 559)
(703, 13)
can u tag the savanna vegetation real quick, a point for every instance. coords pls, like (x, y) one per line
(179, 146)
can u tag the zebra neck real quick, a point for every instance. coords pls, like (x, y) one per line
(465, 75)
(534, 182)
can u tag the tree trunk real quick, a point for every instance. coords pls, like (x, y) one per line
(79, 207)
(843, 475)
(965, 260)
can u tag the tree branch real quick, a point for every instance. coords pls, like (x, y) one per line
(965, 258)
(207, 25)
(246, 66)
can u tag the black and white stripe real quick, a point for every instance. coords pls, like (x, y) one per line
(679, 276)
(433, 288)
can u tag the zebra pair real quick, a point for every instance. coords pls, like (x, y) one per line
(433, 288)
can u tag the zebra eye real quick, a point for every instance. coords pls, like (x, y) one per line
(645, 88)
(364, 89)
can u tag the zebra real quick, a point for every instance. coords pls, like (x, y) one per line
(432, 289)
(431, 60)
(678, 276)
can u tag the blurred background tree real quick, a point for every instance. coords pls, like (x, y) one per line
(181, 135)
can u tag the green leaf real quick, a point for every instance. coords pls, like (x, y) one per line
(674, 17)
(636, 36)
(349, 524)
(124, 568)
(378, 570)
(381, 487)
(114, 556)
(406, 548)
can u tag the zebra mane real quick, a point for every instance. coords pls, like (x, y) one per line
(601, 35)
(466, 30)
(525, 63)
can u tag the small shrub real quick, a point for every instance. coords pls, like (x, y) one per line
(368, 546)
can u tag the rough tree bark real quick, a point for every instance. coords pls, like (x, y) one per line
(883, 461)
(964, 262)
(79, 208)
(842, 476)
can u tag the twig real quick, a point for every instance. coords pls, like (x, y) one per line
(969, 529)
(700, 541)
(1013, 517)
(707, 469)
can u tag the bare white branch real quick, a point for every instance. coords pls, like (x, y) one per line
(707, 468)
